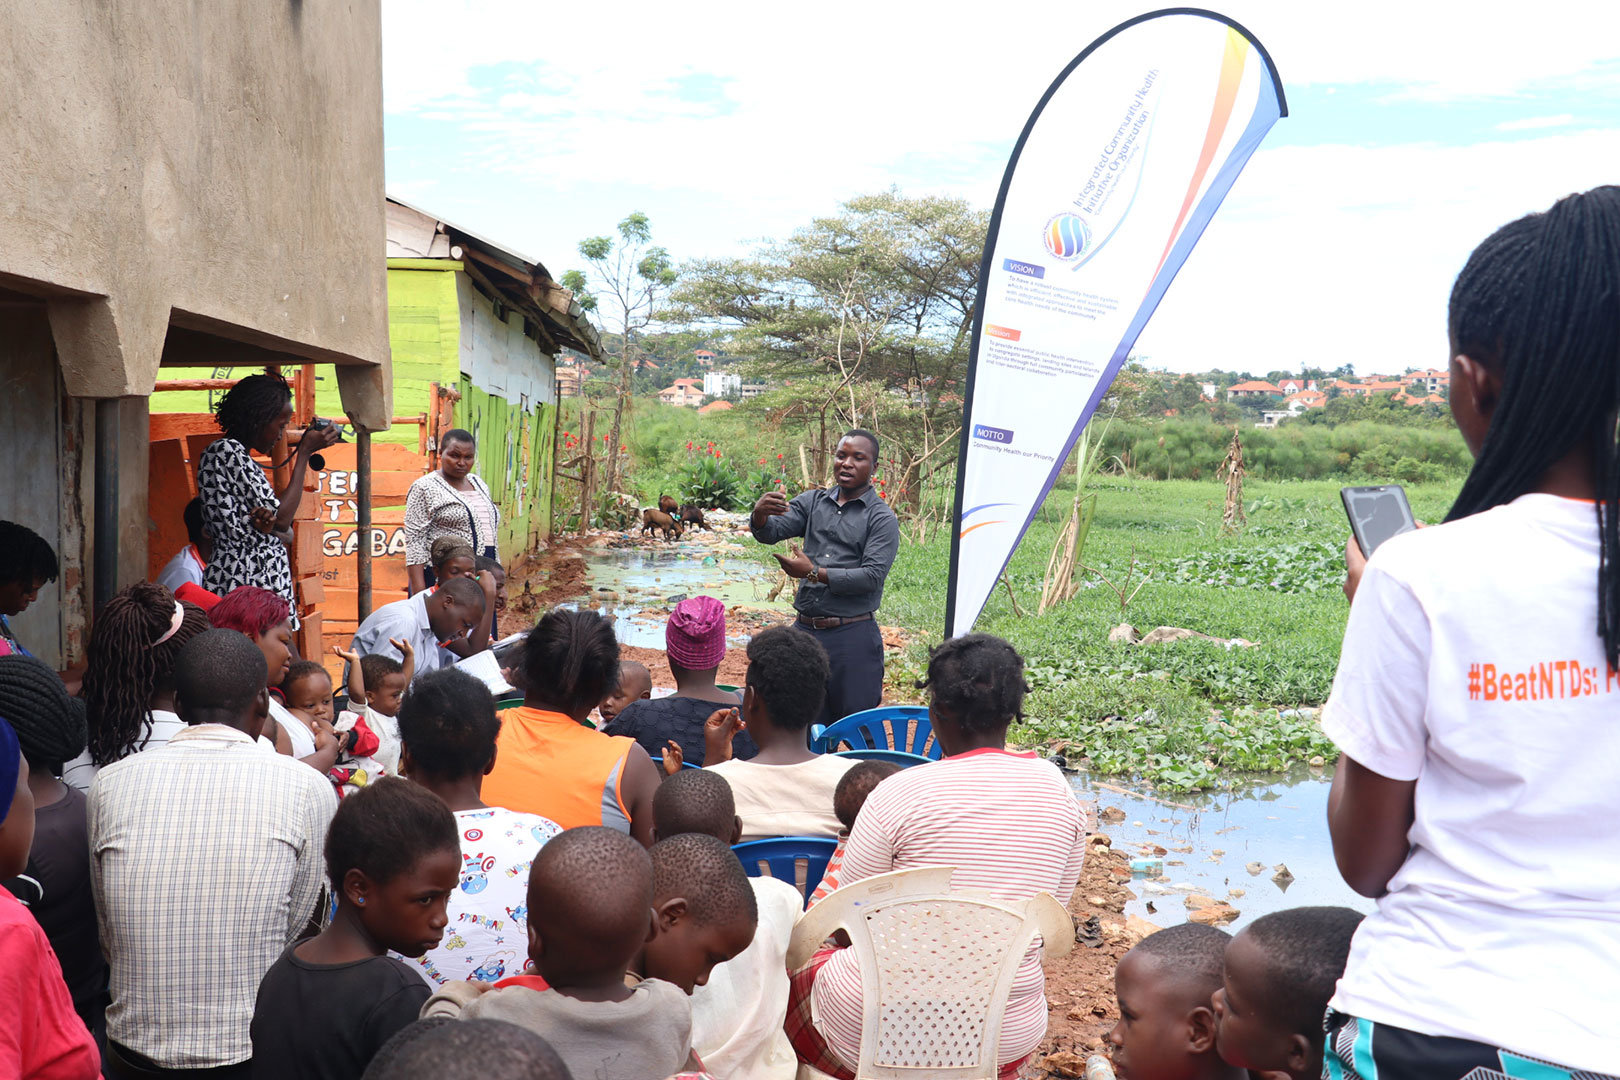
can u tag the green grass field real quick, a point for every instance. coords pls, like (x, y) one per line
(1178, 714)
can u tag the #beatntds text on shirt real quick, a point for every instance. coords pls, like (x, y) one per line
(1548, 680)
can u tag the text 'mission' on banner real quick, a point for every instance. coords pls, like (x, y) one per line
(1113, 180)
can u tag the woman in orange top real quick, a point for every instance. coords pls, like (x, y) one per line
(547, 761)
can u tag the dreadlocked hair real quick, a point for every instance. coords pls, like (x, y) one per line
(978, 681)
(251, 404)
(128, 665)
(49, 724)
(1540, 300)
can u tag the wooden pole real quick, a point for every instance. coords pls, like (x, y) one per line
(587, 474)
(362, 570)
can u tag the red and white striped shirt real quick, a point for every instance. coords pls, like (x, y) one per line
(1011, 826)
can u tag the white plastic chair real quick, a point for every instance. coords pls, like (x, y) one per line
(936, 969)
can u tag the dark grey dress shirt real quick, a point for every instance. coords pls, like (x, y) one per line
(855, 543)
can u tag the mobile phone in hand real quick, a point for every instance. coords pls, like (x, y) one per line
(1377, 513)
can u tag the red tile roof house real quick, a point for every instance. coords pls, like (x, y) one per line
(1253, 390)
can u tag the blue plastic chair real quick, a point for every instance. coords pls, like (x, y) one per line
(798, 860)
(899, 757)
(883, 728)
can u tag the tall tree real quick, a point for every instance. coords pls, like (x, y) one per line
(631, 277)
(871, 311)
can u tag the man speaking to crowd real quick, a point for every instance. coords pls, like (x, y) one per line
(850, 537)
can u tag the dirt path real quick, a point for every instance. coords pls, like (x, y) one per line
(1080, 986)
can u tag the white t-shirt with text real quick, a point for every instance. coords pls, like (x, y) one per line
(1472, 665)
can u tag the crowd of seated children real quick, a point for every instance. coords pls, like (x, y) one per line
(42, 1033)
(448, 726)
(330, 1002)
(55, 887)
(590, 903)
(695, 643)
(548, 762)
(635, 684)
(440, 1047)
(737, 1014)
(128, 683)
(848, 798)
(1164, 988)
(786, 789)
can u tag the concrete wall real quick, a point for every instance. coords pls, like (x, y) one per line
(217, 165)
(47, 438)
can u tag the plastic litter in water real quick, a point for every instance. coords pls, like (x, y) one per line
(1152, 866)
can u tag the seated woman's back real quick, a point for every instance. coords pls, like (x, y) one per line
(547, 762)
(1007, 821)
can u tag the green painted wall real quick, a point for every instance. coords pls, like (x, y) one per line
(514, 458)
(515, 447)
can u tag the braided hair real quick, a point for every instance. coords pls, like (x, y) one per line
(1540, 301)
(570, 660)
(978, 681)
(129, 666)
(251, 404)
(49, 724)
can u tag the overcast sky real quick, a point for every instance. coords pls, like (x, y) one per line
(1415, 128)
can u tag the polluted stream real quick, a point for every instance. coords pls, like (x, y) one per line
(1228, 844)
(639, 586)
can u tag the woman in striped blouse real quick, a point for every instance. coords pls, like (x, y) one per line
(1007, 821)
(450, 502)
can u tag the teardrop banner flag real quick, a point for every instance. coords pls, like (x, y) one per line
(1113, 180)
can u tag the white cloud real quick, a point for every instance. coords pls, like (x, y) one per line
(1332, 254)
(1533, 123)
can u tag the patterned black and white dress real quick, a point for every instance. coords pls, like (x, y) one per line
(231, 485)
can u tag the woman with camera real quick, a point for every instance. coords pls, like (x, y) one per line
(250, 521)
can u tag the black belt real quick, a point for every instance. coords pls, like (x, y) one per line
(831, 622)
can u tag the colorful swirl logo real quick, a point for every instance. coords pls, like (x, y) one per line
(1067, 236)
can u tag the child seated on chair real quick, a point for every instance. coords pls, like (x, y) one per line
(1278, 976)
(1007, 822)
(737, 1014)
(787, 788)
(1166, 1028)
(635, 684)
(590, 904)
(848, 798)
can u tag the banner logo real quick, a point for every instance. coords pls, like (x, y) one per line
(1067, 236)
